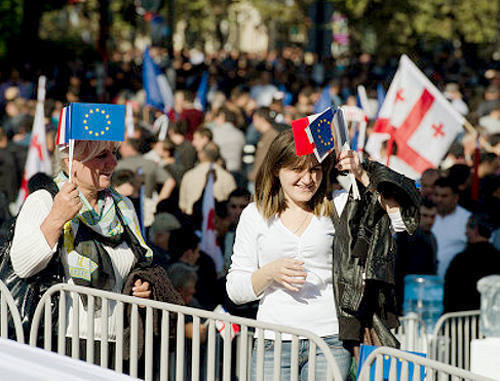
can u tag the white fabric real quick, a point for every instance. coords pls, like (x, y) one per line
(459, 105)
(259, 242)
(22, 362)
(450, 235)
(209, 236)
(491, 124)
(484, 354)
(263, 94)
(38, 159)
(30, 254)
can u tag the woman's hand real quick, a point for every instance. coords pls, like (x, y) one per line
(288, 272)
(67, 203)
(389, 204)
(348, 160)
(141, 289)
(66, 206)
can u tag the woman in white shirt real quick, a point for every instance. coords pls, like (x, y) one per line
(283, 255)
(92, 228)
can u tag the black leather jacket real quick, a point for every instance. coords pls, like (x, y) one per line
(364, 255)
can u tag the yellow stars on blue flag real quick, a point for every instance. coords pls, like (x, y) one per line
(322, 134)
(95, 121)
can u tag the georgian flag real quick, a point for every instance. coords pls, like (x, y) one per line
(38, 159)
(418, 119)
(209, 236)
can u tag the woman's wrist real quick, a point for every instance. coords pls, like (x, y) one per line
(362, 177)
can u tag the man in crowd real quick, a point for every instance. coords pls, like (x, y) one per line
(427, 180)
(451, 220)
(185, 154)
(159, 237)
(184, 107)
(201, 137)
(238, 200)
(194, 180)
(153, 174)
(479, 259)
(229, 139)
(264, 123)
(416, 254)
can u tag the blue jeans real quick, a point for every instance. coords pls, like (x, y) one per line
(341, 355)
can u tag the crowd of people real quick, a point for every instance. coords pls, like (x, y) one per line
(251, 100)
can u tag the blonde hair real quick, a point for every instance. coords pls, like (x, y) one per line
(85, 150)
(269, 196)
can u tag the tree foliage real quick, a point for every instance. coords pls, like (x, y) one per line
(403, 24)
(399, 25)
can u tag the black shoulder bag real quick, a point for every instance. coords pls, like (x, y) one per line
(27, 292)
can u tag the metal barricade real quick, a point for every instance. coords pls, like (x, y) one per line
(9, 316)
(433, 369)
(452, 337)
(411, 333)
(150, 315)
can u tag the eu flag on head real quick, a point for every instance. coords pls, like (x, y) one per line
(96, 121)
(320, 132)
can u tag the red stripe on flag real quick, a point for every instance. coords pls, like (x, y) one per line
(402, 134)
(59, 126)
(302, 144)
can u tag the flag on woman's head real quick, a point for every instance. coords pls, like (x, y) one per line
(314, 134)
(91, 121)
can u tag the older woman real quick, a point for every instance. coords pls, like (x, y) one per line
(93, 229)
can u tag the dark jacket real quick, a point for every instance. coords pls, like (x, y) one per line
(460, 282)
(162, 290)
(416, 254)
(364, 255)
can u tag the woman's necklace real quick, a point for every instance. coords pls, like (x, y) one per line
(295, 231)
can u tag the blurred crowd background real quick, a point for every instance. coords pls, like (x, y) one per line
(267, 64)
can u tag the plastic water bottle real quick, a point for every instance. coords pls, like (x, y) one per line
(489, 321)
(424, 296)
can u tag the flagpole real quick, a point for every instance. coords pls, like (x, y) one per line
(70, 164)
(469, 127)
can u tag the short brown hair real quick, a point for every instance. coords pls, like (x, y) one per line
(205, 132)
(269, 196)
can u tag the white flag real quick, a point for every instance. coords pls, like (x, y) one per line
(209, 236)
(38, 159)
(129, 119)
(418, 119)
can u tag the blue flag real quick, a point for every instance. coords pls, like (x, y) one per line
(288, 98)
(158, 91)
(380, 96)
(95, 121)
(201, 93)
(320, 130)
(324, 101)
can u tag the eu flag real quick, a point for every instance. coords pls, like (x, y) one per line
(96, 121)
(322, 135)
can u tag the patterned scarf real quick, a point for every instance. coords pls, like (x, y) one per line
(89, 231)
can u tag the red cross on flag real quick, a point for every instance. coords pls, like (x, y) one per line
(418, 119)
(38, 159)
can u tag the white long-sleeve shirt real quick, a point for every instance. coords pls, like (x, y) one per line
(259, 242)
(31, 253)
(450, 236)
